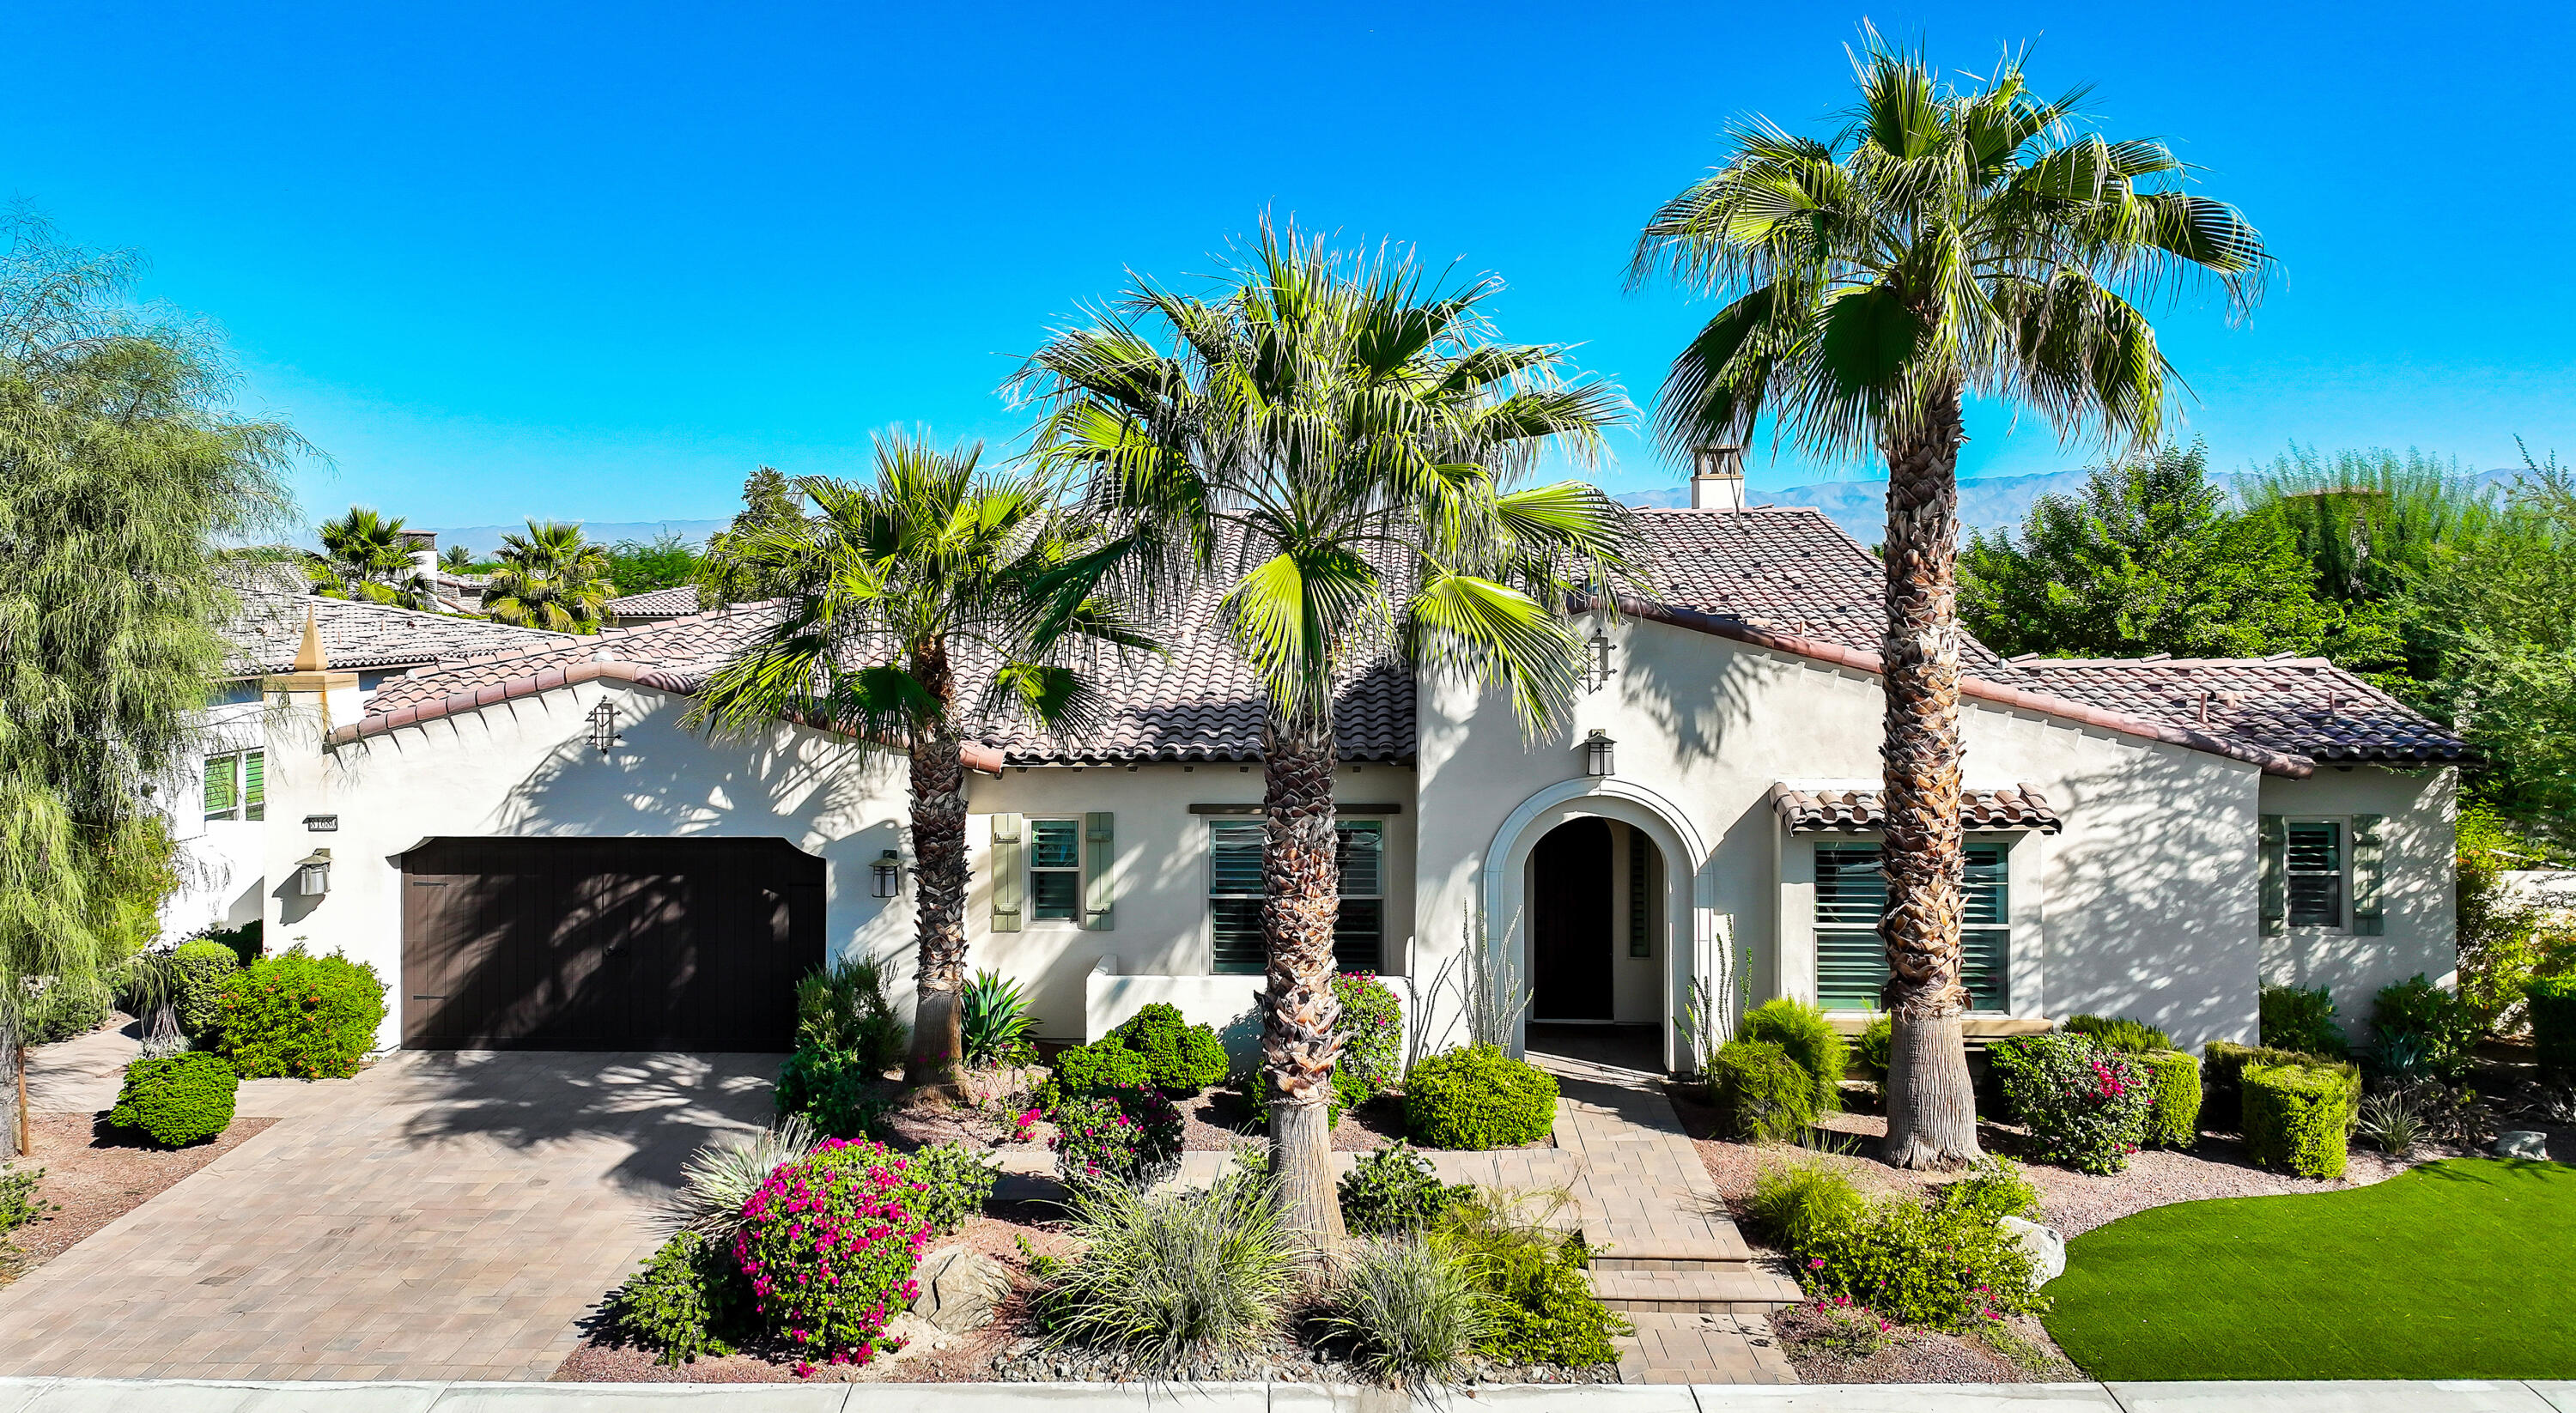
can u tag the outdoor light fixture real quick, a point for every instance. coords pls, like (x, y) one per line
(886, 874)
(603, 727)
(1597, 759)
(313, 874)
(1597, 670)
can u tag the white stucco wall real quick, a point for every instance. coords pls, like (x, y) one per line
(217, 861)
(2418, 857)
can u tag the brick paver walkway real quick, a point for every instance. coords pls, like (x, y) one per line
(438, 1217)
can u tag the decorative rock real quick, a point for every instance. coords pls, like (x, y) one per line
(2522, 1143)
(2047, 1249)
(959, 1288)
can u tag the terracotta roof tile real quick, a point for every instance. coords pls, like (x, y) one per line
(2306, 705)
(1853, 810)
(270, 626)
(682, 647)
(673, 602)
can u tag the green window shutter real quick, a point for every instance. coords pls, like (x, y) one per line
(2369, 918)
(1099, 854)
(219, 784)
(2276, 875)
(255, 785)
(1010, 874)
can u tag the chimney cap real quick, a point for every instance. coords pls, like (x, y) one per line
(1717, 459)
(421, 539)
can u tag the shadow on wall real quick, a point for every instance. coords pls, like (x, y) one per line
(662, 1107)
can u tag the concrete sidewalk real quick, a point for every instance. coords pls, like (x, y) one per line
(184, 1396)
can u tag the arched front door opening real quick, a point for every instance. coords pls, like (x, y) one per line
(1595, 969)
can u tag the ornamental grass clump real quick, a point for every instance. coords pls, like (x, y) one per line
(827, 1249)
(1123, 1137)
(1761, 1094)
(718, 1180)
(1171, 1279)
(1410, 1315)
(299, 1016)
(1803, 1032)
(2129, 1037)
(2085, 1107)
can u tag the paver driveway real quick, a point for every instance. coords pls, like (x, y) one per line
(441, 1216)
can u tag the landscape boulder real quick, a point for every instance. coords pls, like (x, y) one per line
(959, 1289)
(2522, 1143)
(2047, 1249)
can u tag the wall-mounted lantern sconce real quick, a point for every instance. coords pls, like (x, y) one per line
(1597, 758)
(1597, 670)
(603, 728)
(313, 874)
(885, 876)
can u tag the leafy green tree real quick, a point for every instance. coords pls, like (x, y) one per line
(364, 556)
(913, 605)
(638, 566)
(550, 577)
(1945, 241)
(1335, 444)
(2149, 557)
(728, 574)
(121, 466)
(456, 559)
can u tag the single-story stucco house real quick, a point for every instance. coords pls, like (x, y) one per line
(534, 851)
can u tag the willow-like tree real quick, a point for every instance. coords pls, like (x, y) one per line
(1336, 445)
(550, 578)
(1948, 241)
(364, 556)
(121, 469)
(911, 607)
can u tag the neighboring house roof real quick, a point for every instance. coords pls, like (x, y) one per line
(358, 634)
(2302, 704)
(673, 602)
(1831, 809)
(682, 650)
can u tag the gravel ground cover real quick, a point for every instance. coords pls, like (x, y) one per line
(97, 1174)
(1813, 1340)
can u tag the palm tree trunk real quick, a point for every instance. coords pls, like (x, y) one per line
(1301, 898)
(939, 886)
(1931, 1109)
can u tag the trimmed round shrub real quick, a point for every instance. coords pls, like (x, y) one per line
(678, 1305)
(299, 1016)
(1372, 1033)
(2129, 1037)
(1081, 1071)
(178, 1099)
(2085, 1107)
(1392, 1191)
(954, 1181)
(2173, 1114)
(827, 1247)
(1809, 1038)
(2223, 1066)
(1762, 1095)
(1477, 1097)
(1129, 1135)
(1872, 1048)
(1180, 1058)
(2553, 1023)
(197, 971)
(2295, 1119)
(2302, 1019)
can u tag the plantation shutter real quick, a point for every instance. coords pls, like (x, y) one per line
(1010, 875)
(254, 786)
(2369, 918)
(219, 784)
(2276, 875)
(1099, 852)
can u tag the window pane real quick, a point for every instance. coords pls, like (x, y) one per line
(1357, 934)
(1055, 843)
(1054, 895)
(1237, 934)
(1849, 888)
(1984, 895)
(1234, 855)
(1986, 969)
(1851, 958)
(1850, 969)
(219, 784)
(2315, 848)
(1360, 849)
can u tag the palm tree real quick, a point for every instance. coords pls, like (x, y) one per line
(912, 606)
(456, 559)
(1337, 444)
(1946, 241)
(365, 557)
(550, 577)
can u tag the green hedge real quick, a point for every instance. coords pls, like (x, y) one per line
(1762, 1095)
(2222, 1061)
(2553, 1023)
(1081, 1071)
(1477, 1098)
(178, 1099)
(2173, 1121)
(1802, 1030)
(2295, 1118)
(197, 972)
(1180, 1058)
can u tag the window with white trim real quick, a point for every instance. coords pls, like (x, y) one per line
(1851, 897)
(1055, 870)
(2314, 865)
(237, 786)
(1234, 896)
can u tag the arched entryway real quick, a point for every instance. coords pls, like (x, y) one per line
(1573, 976)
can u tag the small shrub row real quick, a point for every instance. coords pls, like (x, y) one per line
(2129, 1037)
(2223, 1064)
(1943, 1264)
(1477, 1097)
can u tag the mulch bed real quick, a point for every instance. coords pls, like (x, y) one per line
(1910, 1356)
(97, 1174)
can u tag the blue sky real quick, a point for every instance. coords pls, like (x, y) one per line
(597, 263)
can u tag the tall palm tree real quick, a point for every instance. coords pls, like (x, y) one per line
(1337, 444)
(912, 606)
(456, 559)
(1947, 241)
(550, 577)
(364, 556)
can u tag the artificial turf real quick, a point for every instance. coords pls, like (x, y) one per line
(2457, 1269)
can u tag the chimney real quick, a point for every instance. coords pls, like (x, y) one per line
(424, 552)
(1717, 478)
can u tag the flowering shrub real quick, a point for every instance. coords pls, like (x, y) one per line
(299, 1016)
(1127, 1135)
(827, 1246)
(1372, 1032)
(1945, 1265)
(2085, 1107)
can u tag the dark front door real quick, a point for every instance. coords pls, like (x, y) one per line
(1570, 923)
(607, 944)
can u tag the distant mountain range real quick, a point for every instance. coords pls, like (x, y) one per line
(486, 539)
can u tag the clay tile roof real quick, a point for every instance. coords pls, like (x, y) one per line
(679, 650)
(2306, 705)
(674, 602)
(270, 624)
(1852, 810)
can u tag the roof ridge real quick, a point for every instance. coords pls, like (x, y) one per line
(373, 606)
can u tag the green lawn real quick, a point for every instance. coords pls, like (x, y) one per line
(2458, 1269)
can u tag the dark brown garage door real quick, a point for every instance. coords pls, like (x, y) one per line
(607, 944)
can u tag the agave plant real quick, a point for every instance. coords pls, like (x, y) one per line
(2390, 1122)
(995, 1026)
(720, 1178)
